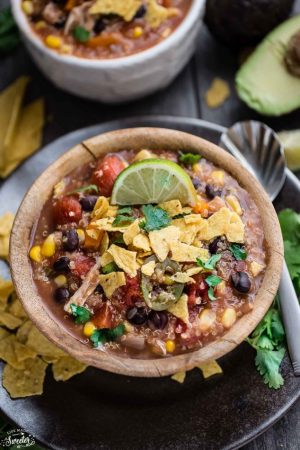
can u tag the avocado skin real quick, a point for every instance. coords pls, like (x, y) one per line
(239, 23)
(263, 82)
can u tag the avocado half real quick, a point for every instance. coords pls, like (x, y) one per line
(264, 81)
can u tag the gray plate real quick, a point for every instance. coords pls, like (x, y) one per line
(99, 410)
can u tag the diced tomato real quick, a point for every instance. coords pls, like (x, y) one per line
(132, 290)
(67, 210)
(82, 265)
(195, 290)
(106, 173)
(103, 318)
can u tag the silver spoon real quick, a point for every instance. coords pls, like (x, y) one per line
(257, 147)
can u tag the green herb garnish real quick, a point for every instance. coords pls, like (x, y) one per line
(212, 281)
(188, 159)
(155, 218)
(110, 267)
(238, 252)
(80, 313)
(211, 263)
(9, 34)
(100, 337)
(81, 34)
(123, 216)
(90, 187)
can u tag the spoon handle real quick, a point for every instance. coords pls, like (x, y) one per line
(290, 310)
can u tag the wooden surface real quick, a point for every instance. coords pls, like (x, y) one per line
(184, 98)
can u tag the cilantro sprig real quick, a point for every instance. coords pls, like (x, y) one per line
(188, 159)
(238, 252)
(81, 34)
(212, 281)
(110, 267)
(9, 34)
(80, 313)
(124, 215)
(104, 335)
(155, 218)
(209, 264)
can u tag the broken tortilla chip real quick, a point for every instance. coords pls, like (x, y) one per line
(182, 277)
(38, 342)
(9, 321)
(25, 382)
(126, 9)
(23, 331)
(7, 351)
(236, 229)
(141, 242)
(210, 368)
(187, 253)
(100, 208)
(218, 92)
(106, 258)
(161, 240)
(157, 14)
(112, 281)
(6, 223)
(6, 289)
(148, 268)
(16, 309)
(173, 207)
(132, 231)
(179, 377)
(188, 232)
(180, 309)
(66, 367)
(125, 259)
(3, 333)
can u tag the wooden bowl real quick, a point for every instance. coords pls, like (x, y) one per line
(137, 138)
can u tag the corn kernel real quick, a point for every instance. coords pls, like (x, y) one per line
(60, 280)
(40, 25)
(234, 204)
(81, 235)
(49, 247)
(53, 41)
(137, 32)
(228, 317)
(206, 319)
(143, 154)
(256, 268)
(170, 346)
(27, 7)
(35, 253)
(89, 329)
(67, 49)
(218, 177)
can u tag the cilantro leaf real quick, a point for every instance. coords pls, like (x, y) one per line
(104, 335)
(125, 210)
(211, 294)
(264, 342)
(268, 363)
(189, 158)
(90, 187)
(238, 252)
(80, 313)
(290, 225)
(211, 263)
(110, 267)
(121, 219)
(213, 280)
(155, 218)
(81, 34)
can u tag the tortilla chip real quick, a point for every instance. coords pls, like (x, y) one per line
(9, 320)
(50, 359)
(106, 225)
(173, 207)
(6, 289)
(125, 259)
(4, 247)
(93, 238)
(236, 228)
(195, 219)
(66, 367)
(7, 351)
(132, 231)
(141, 242)
(187, 253)
(112, 211)
(27, 382)
(3, 333)
(105, 259)
(157, 14)
(209, 369)
(218, 92)
(112, 281)
(148, 268)
(23, 331)
(161, 240)
(6, 223)
(126, 9)
(16, 309)
(217, 225)
(180, 309)
(182, 277)
(194, 271)
(38, 342)
(179, 377)
(188, 232)
(256, 268)
(104, 243)
(23, 352)
(100, 208)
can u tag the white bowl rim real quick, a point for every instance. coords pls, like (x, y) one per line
(129, 60)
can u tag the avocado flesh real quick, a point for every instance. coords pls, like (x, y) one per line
(263, 81)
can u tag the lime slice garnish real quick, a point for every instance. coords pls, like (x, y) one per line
(153, 181)
(291, 144)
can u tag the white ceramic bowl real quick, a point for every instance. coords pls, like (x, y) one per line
(120, 79)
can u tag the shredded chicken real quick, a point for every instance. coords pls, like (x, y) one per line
(80, 16)
(53, 14)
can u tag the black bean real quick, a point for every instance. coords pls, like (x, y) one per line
(88, 202)
(196, 182)
(213, 246)
(99, 289)
(157, 320)
(140, 12)
(70, 240)
(241, 282)
(212, 191)
(62, 265)
(136, 316)
(99, 26)
(61, 294)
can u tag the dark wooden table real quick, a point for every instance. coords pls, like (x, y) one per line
(185, 97)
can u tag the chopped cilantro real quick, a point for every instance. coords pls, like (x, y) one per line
(124, 215)
(238, 252)
(81, 34)
(110, 267)
(155, 218)
(212, 281)
(211, 294)
(189, 158)
(103, 335)
(211, 263)
(90, 187)
(125, 210)
(117, 238)
(80, 313)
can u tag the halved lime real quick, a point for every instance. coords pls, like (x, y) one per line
(153, 181)
(291, 144)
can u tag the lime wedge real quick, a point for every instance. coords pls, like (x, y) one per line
(153, 181)
(291, 144)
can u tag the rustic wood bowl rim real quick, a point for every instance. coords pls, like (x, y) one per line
(136, 138)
